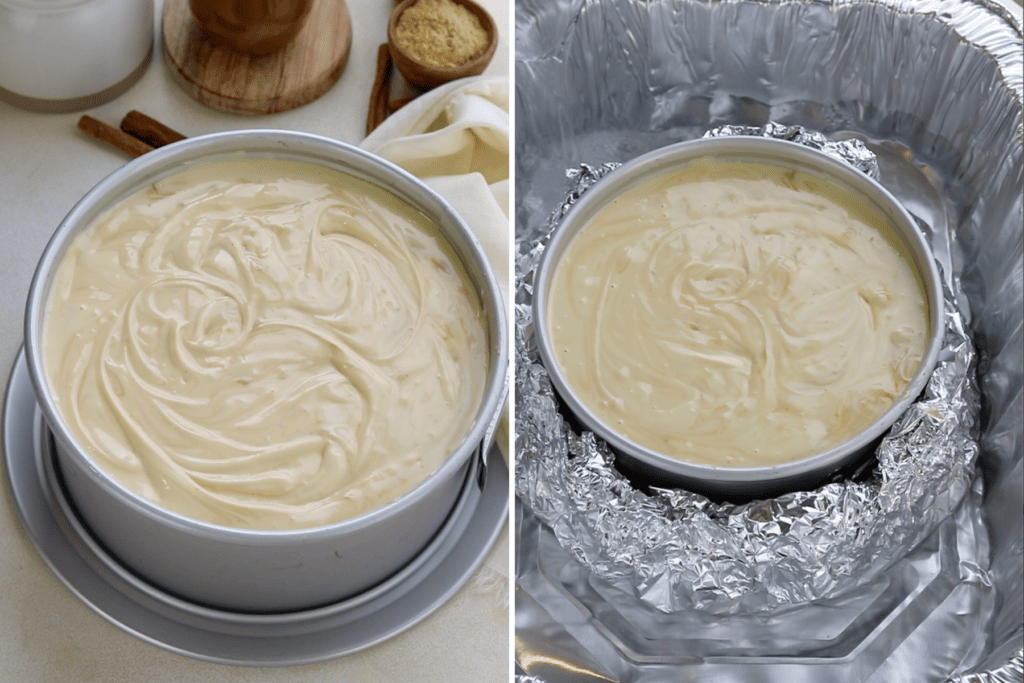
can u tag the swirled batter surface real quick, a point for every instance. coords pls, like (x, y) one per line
(737, 315)
(265, 344)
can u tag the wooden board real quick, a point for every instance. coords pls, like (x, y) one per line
(231, 81)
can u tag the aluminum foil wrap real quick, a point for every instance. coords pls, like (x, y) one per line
(908, 571)
(852, 152)
(677, 550)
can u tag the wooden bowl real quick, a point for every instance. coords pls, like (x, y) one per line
(425, 75)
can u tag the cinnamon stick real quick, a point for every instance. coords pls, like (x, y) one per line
(113, 136)
(396, 104)
(381, 89)
(148, 129)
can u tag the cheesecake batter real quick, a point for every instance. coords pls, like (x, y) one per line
(737, 315)
(265, 344)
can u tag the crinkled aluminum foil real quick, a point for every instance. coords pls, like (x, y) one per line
(1011, 672)
(936, 89)
(677, 550)
(852, 152)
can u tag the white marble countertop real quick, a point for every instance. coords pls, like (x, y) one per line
(46, 633)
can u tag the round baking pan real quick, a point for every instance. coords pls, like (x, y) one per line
(741, 482)
(256, 570)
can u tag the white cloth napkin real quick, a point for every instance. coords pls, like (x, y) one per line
(456, 139)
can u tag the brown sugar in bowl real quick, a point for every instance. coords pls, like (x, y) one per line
(424, 75)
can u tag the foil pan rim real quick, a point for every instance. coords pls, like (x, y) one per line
(1002, 49)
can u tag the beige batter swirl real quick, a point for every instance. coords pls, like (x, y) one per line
(736, 315)
(265, 344)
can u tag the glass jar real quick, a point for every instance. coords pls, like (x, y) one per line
(67, 55)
